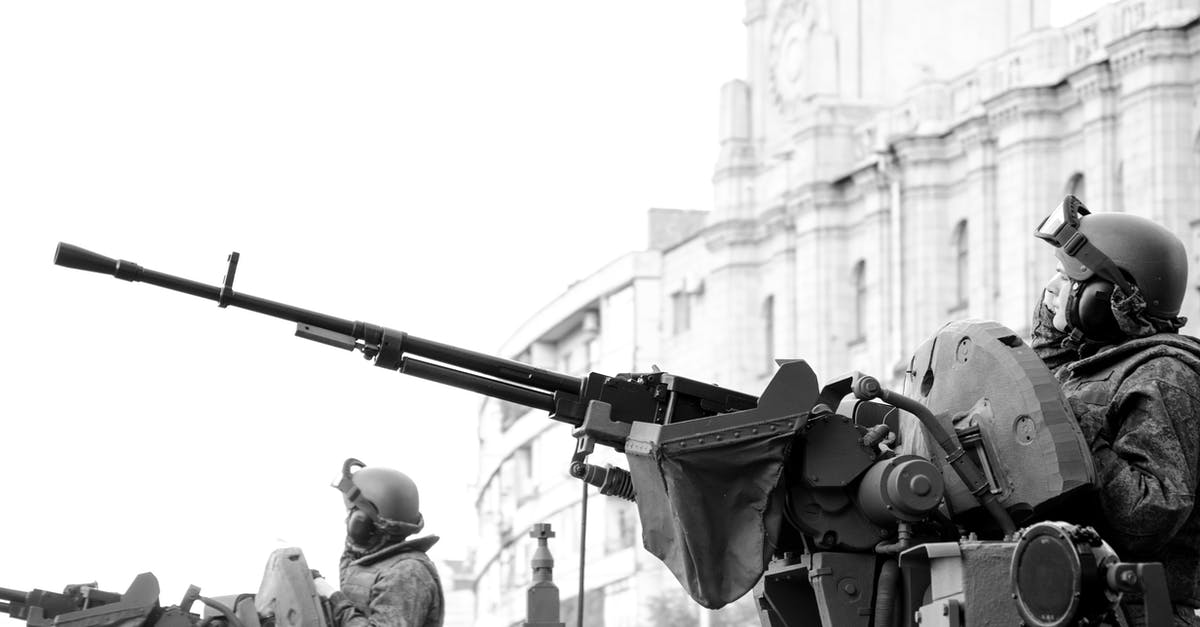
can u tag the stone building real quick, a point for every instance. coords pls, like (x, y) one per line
(880, 171)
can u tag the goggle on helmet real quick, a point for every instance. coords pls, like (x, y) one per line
(1061, 230)
(350, 492)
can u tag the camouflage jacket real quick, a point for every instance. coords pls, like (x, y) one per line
(1138, 405)
(396, 586)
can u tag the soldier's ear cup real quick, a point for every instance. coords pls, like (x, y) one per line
(1092, 309)
(360, 528)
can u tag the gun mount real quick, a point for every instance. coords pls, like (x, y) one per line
(287, 597)
(841, 512)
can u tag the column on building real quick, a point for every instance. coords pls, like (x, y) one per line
(972, 144)
(1154, 68)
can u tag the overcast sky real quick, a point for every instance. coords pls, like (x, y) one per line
(443, 168)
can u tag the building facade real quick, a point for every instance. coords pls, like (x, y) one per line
(880, 172)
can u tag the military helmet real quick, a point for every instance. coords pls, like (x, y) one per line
(383, 503)
(391, 492)
(1101, 249)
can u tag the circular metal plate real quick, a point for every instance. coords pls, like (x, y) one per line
(980, 374)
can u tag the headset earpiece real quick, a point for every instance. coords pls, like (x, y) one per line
(360, 528)
(1090, 310)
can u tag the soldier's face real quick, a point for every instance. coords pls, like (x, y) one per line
(1055, 297)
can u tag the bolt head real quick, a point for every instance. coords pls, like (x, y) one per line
(920, 485)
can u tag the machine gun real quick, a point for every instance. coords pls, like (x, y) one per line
(41, 604)
(85, 606)
(842, 504)
(287, 591)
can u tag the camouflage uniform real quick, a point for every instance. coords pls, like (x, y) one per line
(396, 586)
(1138, 404)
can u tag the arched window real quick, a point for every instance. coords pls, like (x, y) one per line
(1077, 187)
(681, 308)
(859, 281)
(768, 316)
(959, 249)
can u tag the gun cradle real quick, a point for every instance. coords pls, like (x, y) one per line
(998, 400)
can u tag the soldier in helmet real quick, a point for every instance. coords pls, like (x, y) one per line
(1108, 327)
(387, 579)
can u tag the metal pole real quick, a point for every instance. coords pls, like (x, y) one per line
(582, 554)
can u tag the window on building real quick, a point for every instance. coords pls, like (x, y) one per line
(858, 279)
(508, 497)
(523, 460)
(621, 527)
(959, 250)
(508, 570)
(768, 316)
(620, 607)
(523, 557)
(489, 506)
(1014, 71)
(566, 528)
(681, 307)
(510, 413)
(591, 354)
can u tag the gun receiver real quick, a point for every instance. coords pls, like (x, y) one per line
(44, 604)
(635, 397)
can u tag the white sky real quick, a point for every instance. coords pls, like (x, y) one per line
(443, 168)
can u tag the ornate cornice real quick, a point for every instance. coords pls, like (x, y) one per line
(1092, 80)
(1141, 47)
(731, 232)
(1008, 106)
(975, 132)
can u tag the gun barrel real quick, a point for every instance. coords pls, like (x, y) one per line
(475, 383)
(506, 369)
(71, 256)
(13, 596)
(487, 374)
